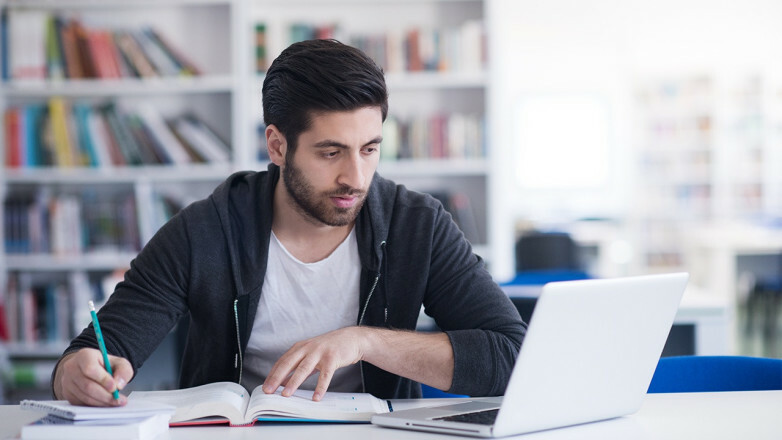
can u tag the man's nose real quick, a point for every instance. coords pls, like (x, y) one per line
(353, 173)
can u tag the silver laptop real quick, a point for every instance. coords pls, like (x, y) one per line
(590, 352)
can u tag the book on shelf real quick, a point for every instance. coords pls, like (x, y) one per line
(186, 66)
(229, 402)
(70, 224)
(260, 48)
(437, 136)
(41, 44)
(54, 57)
(13, 131)
(458, 48)
(64, 148)
(62, 133)
(5, 72)
(201, 139)
(42, 311)
(27, 44)
(135, 420)
(162, 137)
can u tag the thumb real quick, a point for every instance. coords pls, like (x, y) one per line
(123, 371)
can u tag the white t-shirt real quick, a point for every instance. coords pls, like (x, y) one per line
(300, 301)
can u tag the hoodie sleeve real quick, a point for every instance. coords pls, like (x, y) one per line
(149, 301)
(482, 323)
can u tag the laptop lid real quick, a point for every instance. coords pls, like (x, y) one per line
(589, 354)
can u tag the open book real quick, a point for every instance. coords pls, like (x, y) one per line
(222, 402)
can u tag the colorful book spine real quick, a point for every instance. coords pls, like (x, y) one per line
(60, 130)
(39, 44)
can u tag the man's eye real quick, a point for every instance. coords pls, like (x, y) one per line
(330, 153)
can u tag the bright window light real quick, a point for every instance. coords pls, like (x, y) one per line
(562, 142)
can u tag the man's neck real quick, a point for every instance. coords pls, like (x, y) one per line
(305, 238)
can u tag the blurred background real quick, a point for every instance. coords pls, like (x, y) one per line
(568, 139)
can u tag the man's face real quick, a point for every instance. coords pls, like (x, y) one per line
(332, 167)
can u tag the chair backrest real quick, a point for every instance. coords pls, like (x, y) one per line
(545, 251)
(685, 374)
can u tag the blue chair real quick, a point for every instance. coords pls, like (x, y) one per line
(687, 374)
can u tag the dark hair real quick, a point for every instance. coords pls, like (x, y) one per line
(319, 76)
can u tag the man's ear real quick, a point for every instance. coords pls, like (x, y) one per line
(276, 145)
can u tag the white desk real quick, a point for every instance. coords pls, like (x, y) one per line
(712, 253)
(735, 415)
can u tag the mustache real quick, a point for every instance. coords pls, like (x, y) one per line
(346, 191)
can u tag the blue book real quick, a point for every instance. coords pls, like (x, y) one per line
(4, 44)
(32, 136)
(86, 144)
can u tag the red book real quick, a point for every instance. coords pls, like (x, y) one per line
(101, 59)
(111, 53)
(414, 63)
(13, 149)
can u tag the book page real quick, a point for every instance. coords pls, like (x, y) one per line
(224, 399)
(333, 406)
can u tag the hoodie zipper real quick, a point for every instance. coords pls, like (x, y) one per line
(238, 356)
(372, 290)
(364, 311)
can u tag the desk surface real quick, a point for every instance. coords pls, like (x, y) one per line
(714, 416)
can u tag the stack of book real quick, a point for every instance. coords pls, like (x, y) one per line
(74, 134)
(438, 136)
(454, 49)
(40, 311)
(69, 224)
(42, 45)
(135, 421)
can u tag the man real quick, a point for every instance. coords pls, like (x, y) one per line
(312, 273)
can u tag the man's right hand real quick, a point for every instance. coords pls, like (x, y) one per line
(82, 379)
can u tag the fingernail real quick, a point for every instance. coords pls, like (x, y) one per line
(121, 384)
(316, 396)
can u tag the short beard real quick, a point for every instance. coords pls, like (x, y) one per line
(308, 204)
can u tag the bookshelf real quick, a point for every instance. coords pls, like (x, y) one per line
(219, 37)
(70, 228)
(708, 152)
(436, 90)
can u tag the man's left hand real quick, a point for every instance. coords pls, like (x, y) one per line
(325, 354)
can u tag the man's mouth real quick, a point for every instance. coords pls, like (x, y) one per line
(344, 201)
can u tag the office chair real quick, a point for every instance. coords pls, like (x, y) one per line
(763, 301)
(543, 257)
(686, 374)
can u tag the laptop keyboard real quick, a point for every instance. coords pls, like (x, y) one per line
(486, 417)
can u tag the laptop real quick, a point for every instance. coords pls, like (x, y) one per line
(589, 354)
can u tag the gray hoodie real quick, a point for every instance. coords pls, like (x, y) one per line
(209, 262)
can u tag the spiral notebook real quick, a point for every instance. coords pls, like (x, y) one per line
(65, 410)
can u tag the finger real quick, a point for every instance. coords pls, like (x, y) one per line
(324, 380)
(98, 374)
(123, 371)
(304, 370)
(83, 391)
(281, 371)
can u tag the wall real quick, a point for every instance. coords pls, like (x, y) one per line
(600, 48)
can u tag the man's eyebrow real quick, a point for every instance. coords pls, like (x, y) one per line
(329, 143)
